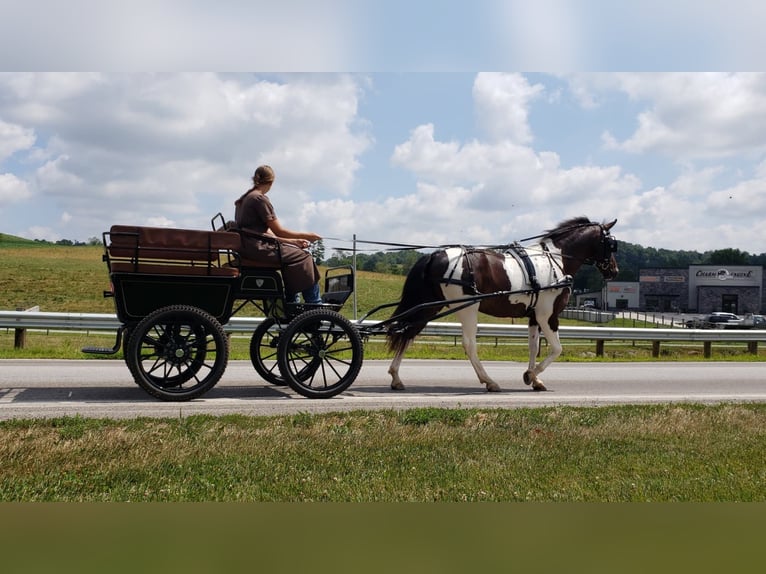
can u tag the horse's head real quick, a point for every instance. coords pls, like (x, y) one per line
(583, 241)
(605, 261)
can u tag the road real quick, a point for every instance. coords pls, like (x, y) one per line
(99, 388)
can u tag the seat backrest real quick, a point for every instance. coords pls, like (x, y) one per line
(168, 251)
(338, 285)
(130, 241)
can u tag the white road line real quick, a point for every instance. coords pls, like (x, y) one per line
(9, 395)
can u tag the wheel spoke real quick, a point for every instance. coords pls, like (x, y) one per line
(320, 353)
(179, 353)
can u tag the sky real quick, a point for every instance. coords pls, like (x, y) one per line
(426, 149)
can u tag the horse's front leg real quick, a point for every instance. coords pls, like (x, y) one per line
(469, 319)
(554, 346)
(530, 375)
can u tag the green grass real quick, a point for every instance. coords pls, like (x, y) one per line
(615, 454)
(55, 278)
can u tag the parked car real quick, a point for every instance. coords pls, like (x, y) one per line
(717, 320)
(754, 322)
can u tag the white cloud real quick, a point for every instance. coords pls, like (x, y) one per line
(14, 138)
(13, 189)
(693, 116)
(40, 232)
(168, 146)
(502, 102)
(173, 149)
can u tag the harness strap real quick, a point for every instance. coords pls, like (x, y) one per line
(471, 282)
(526, 263)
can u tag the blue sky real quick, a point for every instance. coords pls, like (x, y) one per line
(426, 150)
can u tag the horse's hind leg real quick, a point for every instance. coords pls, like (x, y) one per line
(393, 370)
(469, 318)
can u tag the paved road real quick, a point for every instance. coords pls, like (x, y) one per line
(97, 388)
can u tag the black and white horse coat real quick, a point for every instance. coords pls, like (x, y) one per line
(533, 282)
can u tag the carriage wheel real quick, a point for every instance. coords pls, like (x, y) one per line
(125, 342)
(320, 354)
(263, 354)
(177, 353)
(263, 351)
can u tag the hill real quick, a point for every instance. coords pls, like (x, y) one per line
(13, 241)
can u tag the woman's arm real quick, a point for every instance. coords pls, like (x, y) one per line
(299, 238)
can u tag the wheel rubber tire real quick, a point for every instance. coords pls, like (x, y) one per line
(320, 354)
(263, 351)
(177, 353)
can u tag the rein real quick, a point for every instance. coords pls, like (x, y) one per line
(608, 242)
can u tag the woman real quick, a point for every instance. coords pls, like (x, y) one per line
(254, 213)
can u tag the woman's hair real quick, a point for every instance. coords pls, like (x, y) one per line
(264, 174)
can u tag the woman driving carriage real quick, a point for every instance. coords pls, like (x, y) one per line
(254, 213)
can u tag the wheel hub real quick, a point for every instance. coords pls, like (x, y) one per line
(175, 353)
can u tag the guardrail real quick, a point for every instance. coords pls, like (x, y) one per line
(20, 320)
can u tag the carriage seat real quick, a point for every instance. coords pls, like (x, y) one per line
(169, 251)
(219, 224)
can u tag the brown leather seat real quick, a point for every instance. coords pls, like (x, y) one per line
(159, 250)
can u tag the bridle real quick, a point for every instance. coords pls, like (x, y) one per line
(608, 248)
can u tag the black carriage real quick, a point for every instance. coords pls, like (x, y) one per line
(176, 289)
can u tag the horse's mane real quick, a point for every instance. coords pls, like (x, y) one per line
(567, 226)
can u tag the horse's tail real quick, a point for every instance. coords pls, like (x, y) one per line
(421, 286)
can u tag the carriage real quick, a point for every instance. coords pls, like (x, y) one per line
(175, 289)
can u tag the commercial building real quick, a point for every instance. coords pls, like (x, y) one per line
(700, 289)
(622, 295)
(703, 289)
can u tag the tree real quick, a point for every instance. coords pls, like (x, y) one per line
(317, 251)
(727, 257)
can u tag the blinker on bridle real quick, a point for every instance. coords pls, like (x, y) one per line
(609, 246)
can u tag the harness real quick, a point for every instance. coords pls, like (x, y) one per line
(523, 260)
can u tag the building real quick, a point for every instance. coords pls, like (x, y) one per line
(732, 288)
(622, 295)
(662, 289)
(703, 289)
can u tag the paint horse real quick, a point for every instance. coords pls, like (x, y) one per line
(533, 282)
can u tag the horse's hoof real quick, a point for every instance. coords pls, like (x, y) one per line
(538, 386)
(397, 386)
(527, 377)
(493, 387)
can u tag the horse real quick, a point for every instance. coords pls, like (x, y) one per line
(512, 281)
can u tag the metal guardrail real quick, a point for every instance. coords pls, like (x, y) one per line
(109, 322)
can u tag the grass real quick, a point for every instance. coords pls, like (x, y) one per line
(56, 278)
(609, 454)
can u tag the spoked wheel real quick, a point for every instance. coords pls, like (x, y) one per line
(263, 351)
(177, 353)
(264, 347)
(320, 354)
